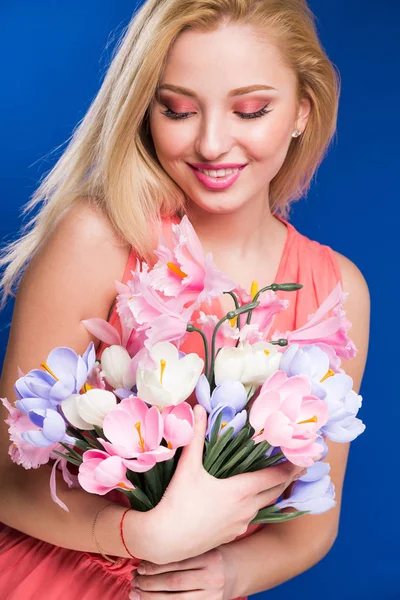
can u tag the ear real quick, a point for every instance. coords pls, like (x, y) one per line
(303, 113)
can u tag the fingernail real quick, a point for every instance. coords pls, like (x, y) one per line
(141, 570)
(303, 472)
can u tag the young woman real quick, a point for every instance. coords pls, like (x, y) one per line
(195, 88)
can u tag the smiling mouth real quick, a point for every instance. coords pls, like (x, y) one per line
(220, 172)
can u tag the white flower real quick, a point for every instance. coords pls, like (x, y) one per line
(84, 411)
(173, 379)
(115, 365)
(251, 364)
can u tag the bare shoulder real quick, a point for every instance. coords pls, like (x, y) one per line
(70, 277)
(358, 308)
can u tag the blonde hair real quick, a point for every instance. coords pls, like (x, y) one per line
(110, 159)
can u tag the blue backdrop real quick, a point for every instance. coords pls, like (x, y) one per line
(53, 58)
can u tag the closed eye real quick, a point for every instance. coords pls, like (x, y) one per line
(254, 115)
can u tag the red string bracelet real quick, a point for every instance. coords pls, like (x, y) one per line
(121, 531)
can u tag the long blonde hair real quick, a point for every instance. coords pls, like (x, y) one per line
(110, 158)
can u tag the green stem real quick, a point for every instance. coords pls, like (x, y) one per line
(191, 328)
(230, 315)
(275, 287)
(236, 301)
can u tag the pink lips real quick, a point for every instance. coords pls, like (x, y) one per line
(217, 183)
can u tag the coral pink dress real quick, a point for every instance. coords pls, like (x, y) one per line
(31, 569)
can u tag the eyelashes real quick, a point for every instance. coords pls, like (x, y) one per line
(254, 115)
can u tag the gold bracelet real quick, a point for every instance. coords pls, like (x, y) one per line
(111, 560)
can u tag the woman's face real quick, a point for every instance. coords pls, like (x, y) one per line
(212, 120)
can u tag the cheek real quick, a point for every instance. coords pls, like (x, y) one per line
(167, 143)
(269, 141)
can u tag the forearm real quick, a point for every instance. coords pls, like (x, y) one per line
(270, 557)
(26, 505)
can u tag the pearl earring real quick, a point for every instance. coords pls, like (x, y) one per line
(296, 133)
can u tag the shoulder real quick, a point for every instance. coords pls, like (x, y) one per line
(76, 265)
(358, 308)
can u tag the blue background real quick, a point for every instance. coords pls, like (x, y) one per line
(54, 56)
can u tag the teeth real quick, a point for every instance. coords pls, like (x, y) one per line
(219, 172)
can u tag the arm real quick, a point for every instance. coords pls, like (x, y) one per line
(71, 277)
(281, 551)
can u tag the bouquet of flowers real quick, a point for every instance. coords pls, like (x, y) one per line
(120, 423)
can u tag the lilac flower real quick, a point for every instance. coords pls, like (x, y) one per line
(313, 492)
(228, 393)
(66, 373)
(229, 419)
(53, 429)
(307, 360)
(230, 398)
(343, 404)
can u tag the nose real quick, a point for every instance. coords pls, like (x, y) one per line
(214, 137)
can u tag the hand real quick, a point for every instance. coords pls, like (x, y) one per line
(199, 512)
(204, 577)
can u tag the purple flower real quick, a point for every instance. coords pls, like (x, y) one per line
(228, 393)
(230, 398)
(66, 373)
(313, 492)
(307, 360)
(343, 404)
(229, 419)
(53, 428)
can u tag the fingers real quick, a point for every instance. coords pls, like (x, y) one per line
(193, 453)
(270, 477)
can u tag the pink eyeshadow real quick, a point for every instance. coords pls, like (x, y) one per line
(251, 106)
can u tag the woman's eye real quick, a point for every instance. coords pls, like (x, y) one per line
(254, 115)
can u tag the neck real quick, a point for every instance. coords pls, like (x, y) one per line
(242, 233)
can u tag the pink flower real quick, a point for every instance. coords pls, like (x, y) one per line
(286, 414)
(264, 315)
(178, 425)
(184, 271)
(22, 452)
(330, 331)
(149, 312)
(227, 334)
(135, 432)
(100, 473)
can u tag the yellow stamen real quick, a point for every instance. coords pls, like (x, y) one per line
(312, 420)
(141, 440)
(86, 387)
(224, 424)
(329, 373)
(163, 364)
(47, 368)
(169, 445)
(267, 352)
(123, 486)
(233, 321)
(253, 289)
(175, 269)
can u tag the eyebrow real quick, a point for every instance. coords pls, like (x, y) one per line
(236, 92)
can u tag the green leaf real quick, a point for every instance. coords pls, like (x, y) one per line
(220, 444)
(228, 469)
(230, 452)
(259, 450)
(277, 517)
(83, 445)
(138, 499)
(263, 463)
(99, 431)
(68, 458)
(72, 452)
(215, 431)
